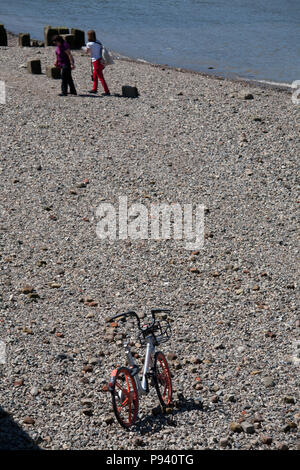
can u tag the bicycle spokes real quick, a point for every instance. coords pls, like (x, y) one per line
(125, 397)
(163, 382)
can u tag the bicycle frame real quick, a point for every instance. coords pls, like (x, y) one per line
(142, 386)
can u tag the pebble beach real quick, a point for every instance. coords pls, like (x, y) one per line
(188, 138)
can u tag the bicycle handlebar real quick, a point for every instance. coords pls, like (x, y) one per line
(131, 313)
(126, 314)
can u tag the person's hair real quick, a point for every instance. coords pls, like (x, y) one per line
(58, 38)
(91, 35)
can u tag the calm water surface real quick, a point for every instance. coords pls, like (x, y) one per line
(257, 39)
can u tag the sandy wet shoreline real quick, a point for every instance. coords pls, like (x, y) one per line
(186, 139)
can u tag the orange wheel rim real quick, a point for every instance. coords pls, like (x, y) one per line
(125, 398)
(164, 379)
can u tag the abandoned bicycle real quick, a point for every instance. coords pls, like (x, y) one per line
(125, 385)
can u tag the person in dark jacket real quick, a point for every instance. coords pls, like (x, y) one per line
(64, 61)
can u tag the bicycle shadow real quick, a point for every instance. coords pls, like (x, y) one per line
(12, 436)
(154, 423)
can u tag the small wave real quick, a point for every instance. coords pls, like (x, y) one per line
(269, 82)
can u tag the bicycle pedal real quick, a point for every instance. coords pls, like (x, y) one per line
(134, 370)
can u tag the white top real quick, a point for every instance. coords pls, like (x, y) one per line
(95, 49)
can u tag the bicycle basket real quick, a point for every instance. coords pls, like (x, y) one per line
(161, 332)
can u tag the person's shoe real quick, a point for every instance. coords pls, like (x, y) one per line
(106, 94)
(62, 94)
(93, 91)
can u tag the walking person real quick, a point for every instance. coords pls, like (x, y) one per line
(64, 61)
(94, 48)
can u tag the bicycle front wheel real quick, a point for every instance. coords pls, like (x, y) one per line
(162, 379)
(125, 398)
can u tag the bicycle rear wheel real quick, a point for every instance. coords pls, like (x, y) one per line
(162, 379)
(125, 398)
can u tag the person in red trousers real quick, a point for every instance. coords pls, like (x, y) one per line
(94, 48)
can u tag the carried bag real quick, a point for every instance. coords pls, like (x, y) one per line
(106, 57)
